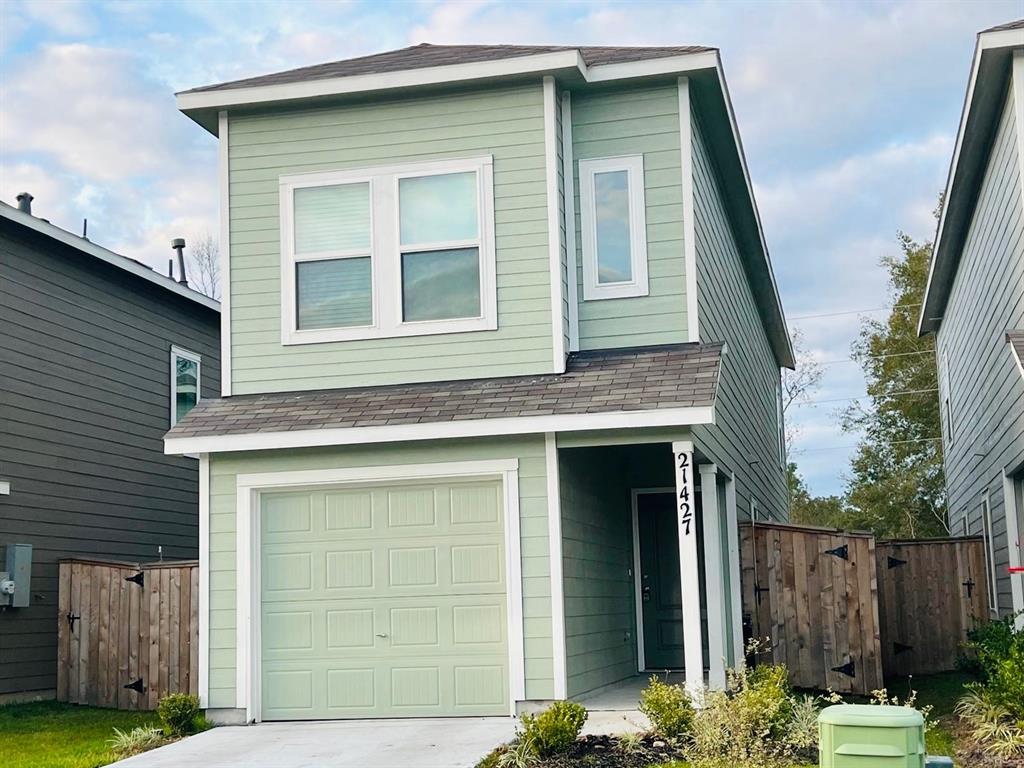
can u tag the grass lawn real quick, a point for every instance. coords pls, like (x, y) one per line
(942, 692)
(49, 734)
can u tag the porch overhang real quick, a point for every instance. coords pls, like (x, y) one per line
(645, 387)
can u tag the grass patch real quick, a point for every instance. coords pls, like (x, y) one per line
(942, 692)
(51, 734)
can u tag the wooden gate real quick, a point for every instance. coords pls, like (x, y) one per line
(127, 633)
(812, 593)
(930, 592)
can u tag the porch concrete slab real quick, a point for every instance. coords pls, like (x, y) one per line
(420, 743)
(614, 708)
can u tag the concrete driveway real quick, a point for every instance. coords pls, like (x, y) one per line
(437, 743)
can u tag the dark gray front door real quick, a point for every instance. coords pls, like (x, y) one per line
(659, 581)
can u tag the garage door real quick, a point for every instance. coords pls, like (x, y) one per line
(384, 601)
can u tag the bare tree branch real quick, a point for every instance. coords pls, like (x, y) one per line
(798, 385)
(204, 265)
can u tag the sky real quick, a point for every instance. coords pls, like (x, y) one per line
(848, 113)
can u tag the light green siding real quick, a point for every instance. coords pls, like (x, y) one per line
(631, 121)
(529, 450)
(507, 123)
(746, 411)
(984, 386)
(597, 555)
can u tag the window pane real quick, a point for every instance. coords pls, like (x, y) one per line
(441, 285)
(438, 209)
(186, 386)
(334, 293)
(335, 218)
(611, 209)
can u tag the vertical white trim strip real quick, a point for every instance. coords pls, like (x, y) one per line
(714, 579)
(204, 581)
(638, 589)
(225, 253)
(689, 228)
(689, 570)
(569, 209)
(1014, 547)
(514, 579)
(990, 554)
(554, 241)
(555, 563)
(736, 597)
(243, 596)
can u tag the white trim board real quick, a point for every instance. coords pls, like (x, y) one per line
(711, 519)
(569, 61)
(558, 351)
(569, 209)
(248, 487)
(689, 225)
(223, 177)
(261, 441)
(555, 562)
(1015, 546)
(204, 581)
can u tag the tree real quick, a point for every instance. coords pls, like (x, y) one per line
(896, 486)
(800, 383)
(806, 509)
(204, 266)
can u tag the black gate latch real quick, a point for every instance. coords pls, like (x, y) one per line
(72, 618)
(758, 589)
(970, 587)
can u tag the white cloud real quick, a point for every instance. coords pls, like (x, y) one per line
(67, 18)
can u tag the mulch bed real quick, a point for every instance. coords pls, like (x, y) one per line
(607, 752)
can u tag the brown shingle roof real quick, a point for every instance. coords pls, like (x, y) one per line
(427, 55)
(637, 379)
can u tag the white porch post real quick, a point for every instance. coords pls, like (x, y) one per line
(714, 575)
(689, 573)
(1015, 540)
(736, 596)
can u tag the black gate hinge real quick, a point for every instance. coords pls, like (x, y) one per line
(895, 562)
(139, 578)
(898, 648)
(847, 669)
(841, 552)
(138, 686)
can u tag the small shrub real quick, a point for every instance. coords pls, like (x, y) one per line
(139, 739)
(668, 707)
(991, 725)
(179, 712)
(989, 643)
(522, 753)
(803, 726)
(631, 743)
(555, 729)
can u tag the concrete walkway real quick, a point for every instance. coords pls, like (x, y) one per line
(431, 743)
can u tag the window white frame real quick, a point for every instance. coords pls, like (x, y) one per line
(638, 286)
(183, 354)
(386, 252)
(990, 555)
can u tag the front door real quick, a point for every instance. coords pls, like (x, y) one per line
(659, 581)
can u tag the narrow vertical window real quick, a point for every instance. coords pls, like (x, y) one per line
(614, 228)
(186, 382)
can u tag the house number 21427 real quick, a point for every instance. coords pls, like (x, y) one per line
(684, 484)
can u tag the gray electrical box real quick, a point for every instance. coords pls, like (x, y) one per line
(16, 578)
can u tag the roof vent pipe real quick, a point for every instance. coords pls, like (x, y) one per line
(25, 203)
(178, 244)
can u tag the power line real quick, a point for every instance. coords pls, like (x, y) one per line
(873, 357)
(861, 397)
(798, 451)
(854, 311)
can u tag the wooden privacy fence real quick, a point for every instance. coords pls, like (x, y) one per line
(812, 592)
(127, 633)
(930, 593)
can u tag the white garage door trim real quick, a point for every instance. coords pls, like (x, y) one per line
(248, 487)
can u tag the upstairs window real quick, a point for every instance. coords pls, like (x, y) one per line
(613, 228)
(385, 252)
(185, 382)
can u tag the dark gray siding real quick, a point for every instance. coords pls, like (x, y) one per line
(84, 403)
(977, 372)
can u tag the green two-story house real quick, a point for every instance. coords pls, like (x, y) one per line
(501, 371)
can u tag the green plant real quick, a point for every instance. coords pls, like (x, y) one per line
(522, 753)
(991, 725)
(746, 725)
(989, 643)
(803, 725)
(668, 707)
(555, 729)
(138, 739)
(631, 743)
(179, 712)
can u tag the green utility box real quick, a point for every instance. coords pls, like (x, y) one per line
(871, 736)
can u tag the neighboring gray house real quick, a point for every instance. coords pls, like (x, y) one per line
(88, 343)
(974, 305)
